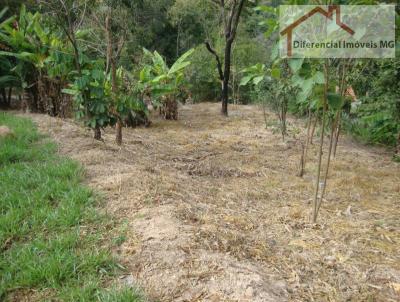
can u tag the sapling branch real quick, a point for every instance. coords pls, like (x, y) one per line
(333, 128)
(325, 105)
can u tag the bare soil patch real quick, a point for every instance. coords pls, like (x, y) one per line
(214, 210)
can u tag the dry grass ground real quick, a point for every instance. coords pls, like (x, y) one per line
(212, 210)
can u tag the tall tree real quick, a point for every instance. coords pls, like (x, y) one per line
(113, 52)
(230, 14)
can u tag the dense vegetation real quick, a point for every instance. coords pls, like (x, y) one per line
(94, 51)
(49, 225)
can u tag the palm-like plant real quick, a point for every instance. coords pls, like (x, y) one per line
(163, 82)
(38, 60)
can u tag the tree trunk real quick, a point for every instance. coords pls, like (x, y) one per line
(302, 160)
(321, 144)
(337, 134)
(328, 160)
(313, 129)
(4, 98)
(109, 43)
(9, 97)
(118, 126)
(398, 145)
(97, 133)
(264, 105)
(118, 136)
(308, 136)
(111, 59)
(225, 82)
(231, 25)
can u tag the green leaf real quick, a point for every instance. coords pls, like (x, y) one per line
(92, 124)
(257, 80)
(245, 80)
(8, 80)
(335, 101)
(295, 64)
(22, 16)
(159, 78)
(275, 52)
(276, 73)
(97, 74)
(3, 12)
(297, 81)
(145, 74)
(307, 86)
(266, 9)
(82, 33)
(318, 91)
(159, 63)
(305, 71)
(319, 78)
(180, 63)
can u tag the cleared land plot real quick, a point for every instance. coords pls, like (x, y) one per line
(212, 210)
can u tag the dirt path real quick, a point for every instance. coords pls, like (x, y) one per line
(213, 211)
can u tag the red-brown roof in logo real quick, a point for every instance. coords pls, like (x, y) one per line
(328, 14)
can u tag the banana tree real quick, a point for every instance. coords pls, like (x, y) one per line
(163, 82)
(8, 79)
(35, 53)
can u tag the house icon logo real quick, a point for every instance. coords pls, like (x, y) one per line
(332, 9)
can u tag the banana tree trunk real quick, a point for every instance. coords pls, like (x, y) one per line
(3, 97)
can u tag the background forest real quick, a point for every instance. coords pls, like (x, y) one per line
(51, 52)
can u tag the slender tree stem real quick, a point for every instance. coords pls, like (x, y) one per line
(328, 161)
(315, 209)
(335, 125)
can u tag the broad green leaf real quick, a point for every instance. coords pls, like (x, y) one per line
(266, 9)
(245, 80)
(8, 80)
(97, 74)
(302, 96)
(257, 80)
(180, 62)
(147, 53)
(296, 80)
(25, 56)
(22, 16)
(5, 24)
(305, 71)
(159, 78)
(82, 33)
(295, 64)
(319, 78)
(159, 63)
(275, 52)
(318, 91)
(276, 73)
(3, 12)
(307, 86)
(335, 101)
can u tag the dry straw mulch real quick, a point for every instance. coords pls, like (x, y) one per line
(212, 210)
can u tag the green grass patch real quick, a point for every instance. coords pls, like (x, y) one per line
(52, 239)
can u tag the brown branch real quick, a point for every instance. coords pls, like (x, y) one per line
(121, 44)
(236, 20)
(219, 65)
(228, 26)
